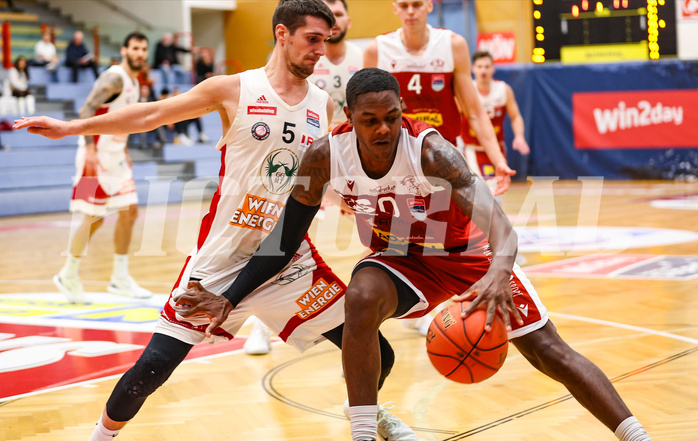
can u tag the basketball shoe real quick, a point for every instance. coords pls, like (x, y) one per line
(390, 427)
(70, 287)
(126, 286)
(259, 340)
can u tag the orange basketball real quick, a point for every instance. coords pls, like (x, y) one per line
(461, 350)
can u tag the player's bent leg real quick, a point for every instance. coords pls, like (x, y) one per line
(155, 365)
(550, 354)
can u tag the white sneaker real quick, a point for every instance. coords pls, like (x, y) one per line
(259, 340)
(184, 139)
(128, 287)
(391, 427)
(70, 287)
(203, 138)
(421, 324)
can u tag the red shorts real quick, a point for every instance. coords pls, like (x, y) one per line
(437, 278)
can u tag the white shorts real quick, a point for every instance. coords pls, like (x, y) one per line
(301, 303)
(111, 190)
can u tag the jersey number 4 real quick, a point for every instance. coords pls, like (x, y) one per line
(415, 84)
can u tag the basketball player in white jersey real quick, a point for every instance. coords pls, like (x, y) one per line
(104, 178)
(435, 231)
(433, 69)
(341, 60)
(498, 99)
(270, 117)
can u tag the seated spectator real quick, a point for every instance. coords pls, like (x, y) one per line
(45, 55)
(166, 61)
(155, 138)
(182, 129)
(19, 83)
(78, 57)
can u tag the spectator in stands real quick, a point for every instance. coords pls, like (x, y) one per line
(166, 61)
(182, 129)
(19, 83)
(45, 55)
(158, 135)
(78, 57)
(204, 65)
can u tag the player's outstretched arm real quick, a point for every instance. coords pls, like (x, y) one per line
(214, 94)
(276, 251)
(477, 117)
(441, 162)
(517, 124)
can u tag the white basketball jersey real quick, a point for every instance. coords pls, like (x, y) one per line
(333, 78)
(130, 93)
(260, 155)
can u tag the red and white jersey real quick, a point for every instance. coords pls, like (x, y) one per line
(130, 93)
(333, 78)
(495, 104)
(260, 155)
(426, 81)
(402, 211)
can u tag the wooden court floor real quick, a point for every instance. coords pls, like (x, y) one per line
(625, 296)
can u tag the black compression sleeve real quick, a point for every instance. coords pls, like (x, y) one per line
(275, 251)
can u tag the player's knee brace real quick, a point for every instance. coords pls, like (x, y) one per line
(153, 368)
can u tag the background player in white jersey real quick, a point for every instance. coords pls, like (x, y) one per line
(498, 99)
(433, 69)
(104, 182)
(270, 117)
(431, 224)
(341, 60)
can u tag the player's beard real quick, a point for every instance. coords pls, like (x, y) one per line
(337, 37)
(133, 66)
(300, 70)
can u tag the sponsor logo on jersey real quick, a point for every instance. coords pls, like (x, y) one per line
(257, 213)
(313, 122)
(435, 119)
(350, 184)
(305, 143)
(261, 110)
(437, 82)
(393, 63)
(262, 100)
(321, 83)
(317, 297)
(321, 71)
(382, 189)
(438, 63)
(293, 273)
(260, 131)
(418, 208)
(411, 185)
(352, 70)
(278, 171)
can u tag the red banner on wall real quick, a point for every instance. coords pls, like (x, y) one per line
(641, 119)
(502, 45)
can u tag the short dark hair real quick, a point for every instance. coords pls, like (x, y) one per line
(135, 35)
(292, 13)
(370, 79)
(482, 54)
(344, 2)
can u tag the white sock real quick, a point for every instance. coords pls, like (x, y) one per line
(631, 430)
(70, 269)
(101, 433)
(121, 266)
(364, 422)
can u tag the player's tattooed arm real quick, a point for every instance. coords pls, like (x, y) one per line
(447, 168)
(106, 87)
(313, 174)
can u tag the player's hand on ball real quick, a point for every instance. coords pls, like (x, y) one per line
(197, 300)
(491, 293)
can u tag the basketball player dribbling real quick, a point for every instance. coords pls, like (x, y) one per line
(429, 223)
(270, 117)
